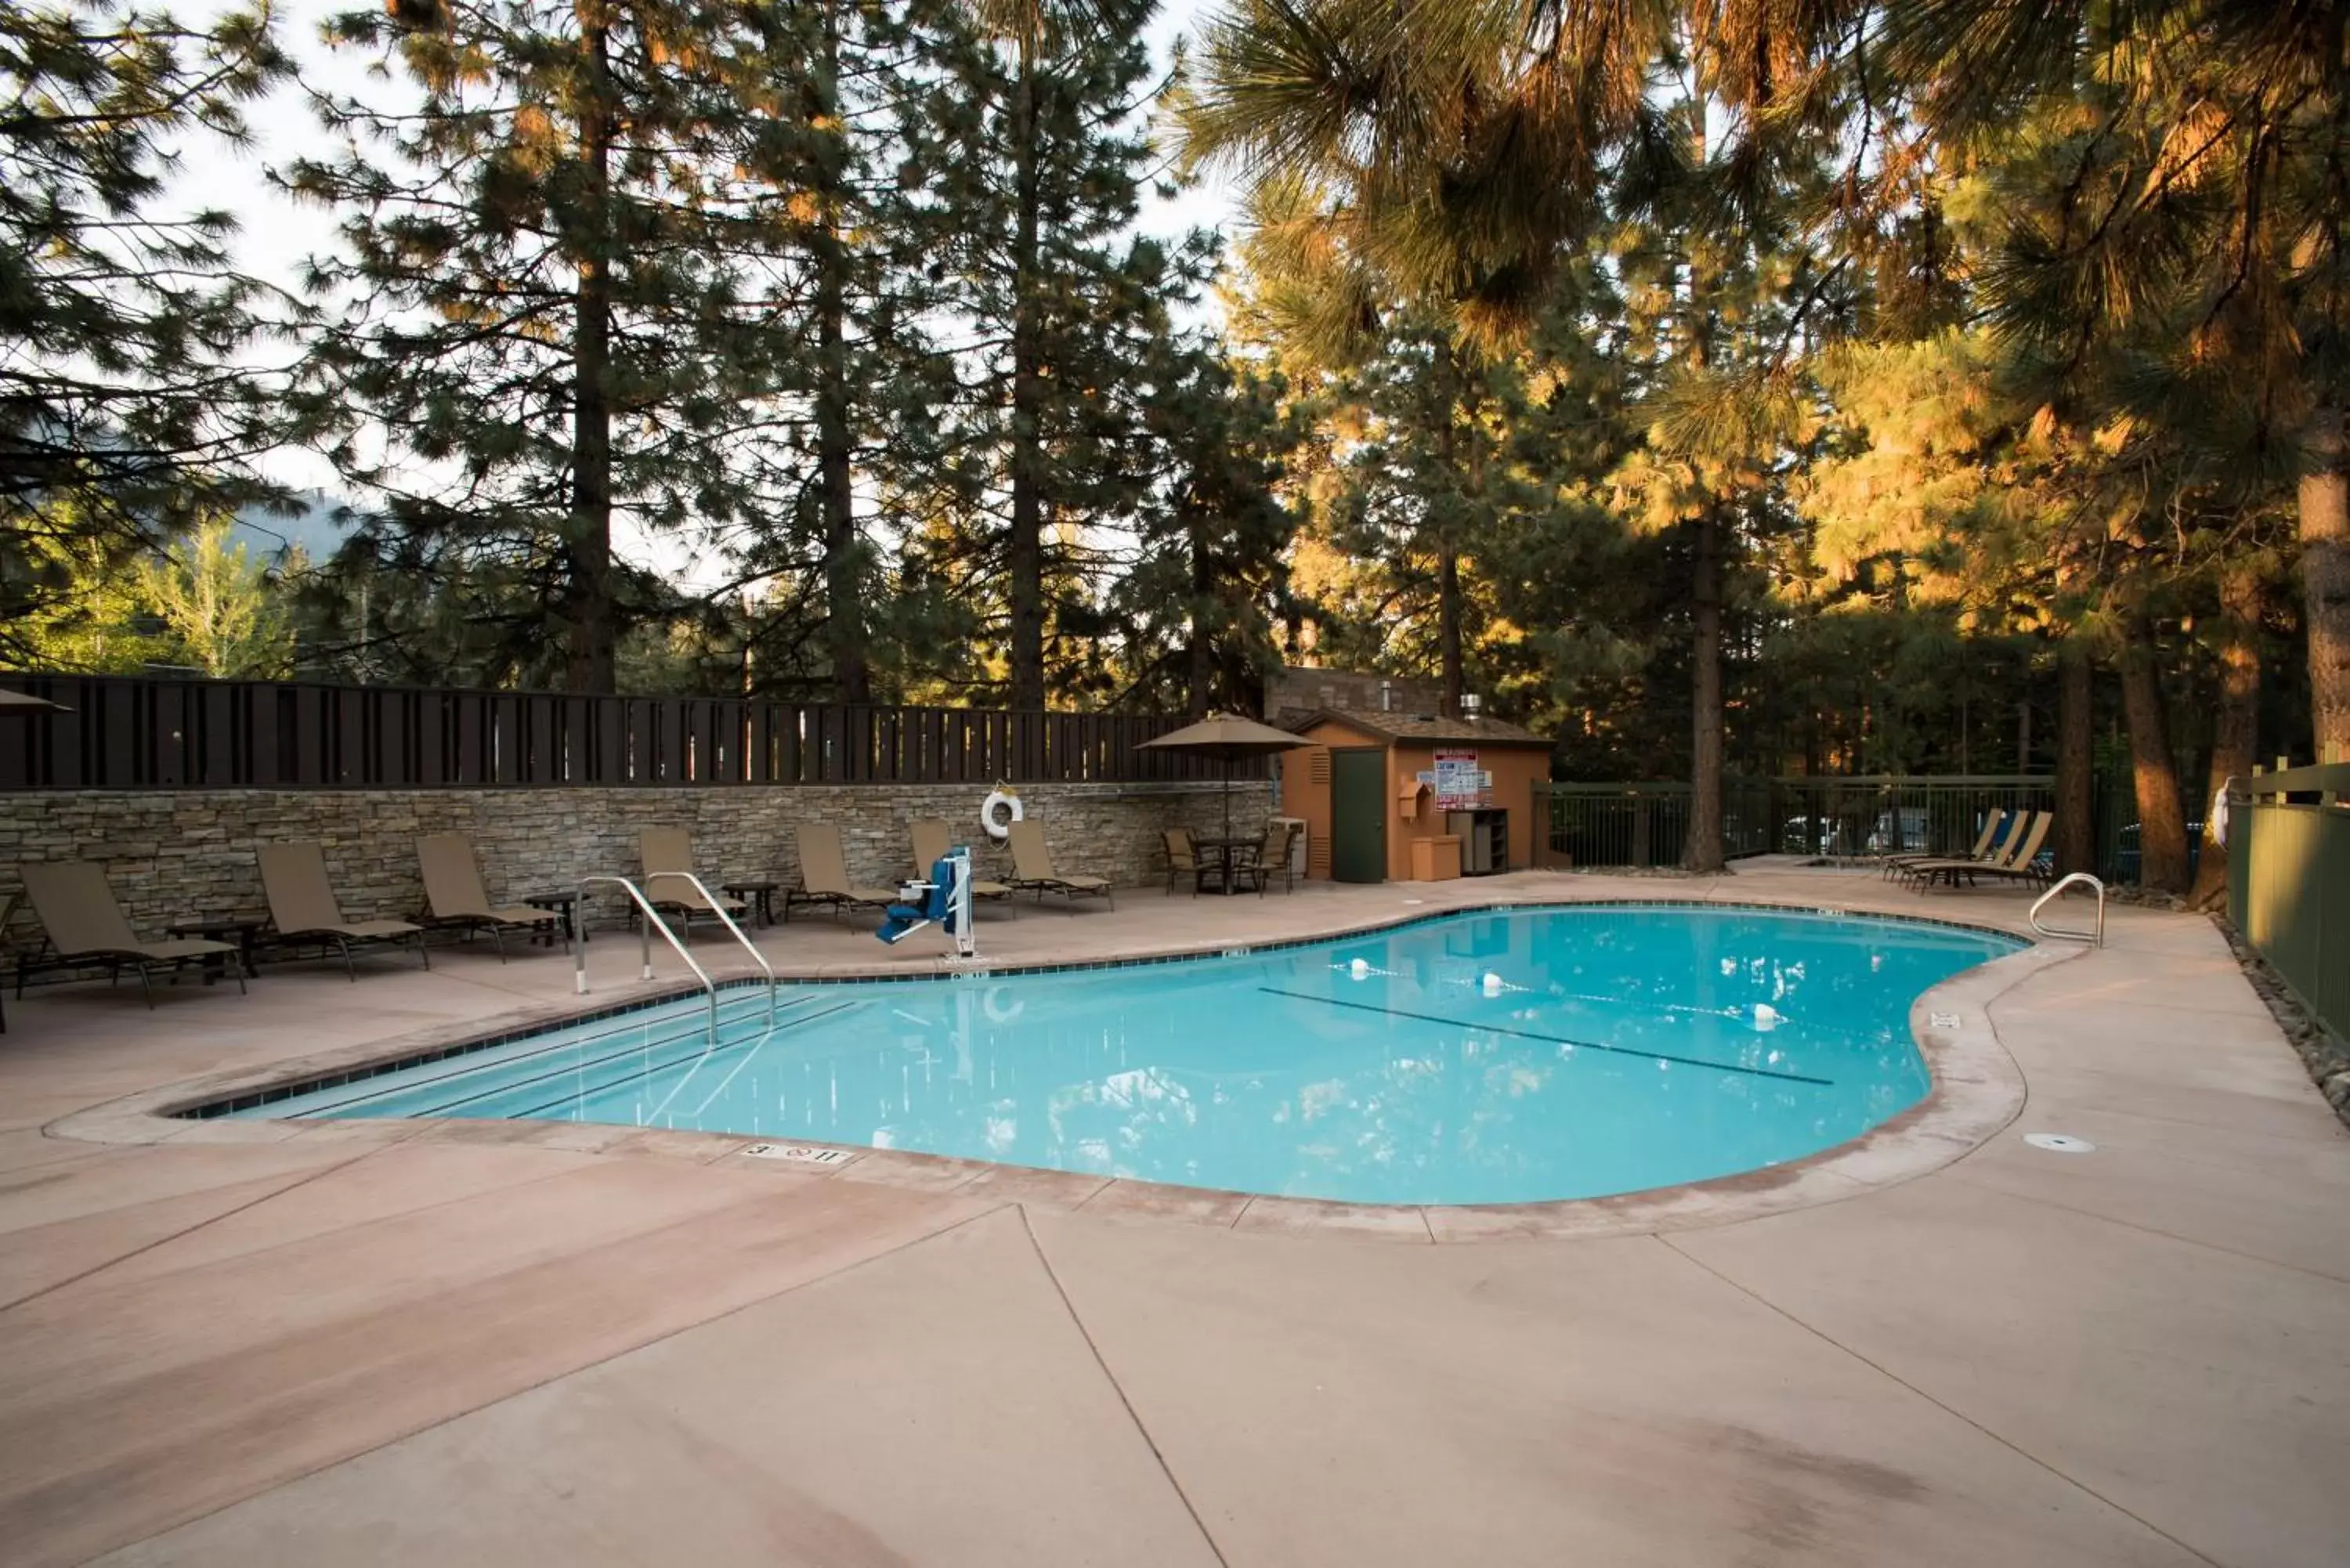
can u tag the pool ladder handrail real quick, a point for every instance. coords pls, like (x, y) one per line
(652, 922)
(719, 910)
(2096, 938)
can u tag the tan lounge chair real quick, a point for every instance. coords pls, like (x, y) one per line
(1032, 866)
(85, 925)
(2016, 862)
(1990, 830)
(302, 907)
(454, 891)
(824, 874)
(932, 841)
(667, 857)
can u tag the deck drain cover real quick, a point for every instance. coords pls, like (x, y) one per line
(2060, 1143)
(798, 1153)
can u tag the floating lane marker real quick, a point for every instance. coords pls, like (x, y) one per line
(1659, 1057)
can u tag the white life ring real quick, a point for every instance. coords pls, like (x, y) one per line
(996, 800)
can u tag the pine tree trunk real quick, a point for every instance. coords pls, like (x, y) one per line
(1448, 624)
(2324, 507)
(2161, 820)
(1202, 654)
(588, 590)
(2235, 737)
(844, 591)
(1701, 849)
(1026, 550)
(2076, 756)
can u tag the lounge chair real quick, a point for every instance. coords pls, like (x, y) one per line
(932, 841)
(1990, 828)
(824, 874)
(2016, 862)
(1032, 866)
(85, 925)
(302, 907)
(667, 857)
(454, 891)
(1182, 858)
(2010, 838)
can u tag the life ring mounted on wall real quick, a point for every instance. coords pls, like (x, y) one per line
(998, 812)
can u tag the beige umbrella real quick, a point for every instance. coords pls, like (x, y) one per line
(15, 703)
(1227, 737)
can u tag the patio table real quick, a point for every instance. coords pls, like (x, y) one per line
(1226, 853)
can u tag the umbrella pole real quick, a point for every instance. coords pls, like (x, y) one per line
(1228, 797)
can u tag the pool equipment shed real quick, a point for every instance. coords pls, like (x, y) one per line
(1402, 797)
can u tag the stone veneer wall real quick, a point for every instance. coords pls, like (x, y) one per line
(178, 853)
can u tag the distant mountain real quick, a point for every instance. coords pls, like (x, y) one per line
(268, 538)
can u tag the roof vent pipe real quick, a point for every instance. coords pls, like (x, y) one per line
(1471, 704)
(1386, 697)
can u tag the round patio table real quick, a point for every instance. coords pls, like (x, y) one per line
(1226, 852)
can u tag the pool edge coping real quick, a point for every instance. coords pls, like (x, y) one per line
(1976, 1090)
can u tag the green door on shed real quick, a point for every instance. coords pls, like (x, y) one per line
(1359, 819)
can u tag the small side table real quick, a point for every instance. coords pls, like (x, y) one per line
(760, 896)
(228, 928)
(564, 905)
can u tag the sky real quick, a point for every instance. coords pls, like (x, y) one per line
(276, 233)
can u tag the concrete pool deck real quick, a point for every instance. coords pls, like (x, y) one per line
(332, 1348)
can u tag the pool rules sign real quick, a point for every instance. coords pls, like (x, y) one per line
(1459, 784)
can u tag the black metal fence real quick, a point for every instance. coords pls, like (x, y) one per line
(140, 733)
(1642, 825)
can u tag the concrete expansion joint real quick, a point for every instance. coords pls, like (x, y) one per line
(1142, 1428)
(1944, 1406)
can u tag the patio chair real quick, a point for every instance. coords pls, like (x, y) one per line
(931, 842)
(1271, 858)
(1182, 858)
(1032, 866)
(454, 892)
(2016, 862)
(667, 857)
(303, 909)
(1991, 825)
(85, 925)
(824, 874)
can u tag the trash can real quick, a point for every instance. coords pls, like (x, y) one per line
(1436, 859)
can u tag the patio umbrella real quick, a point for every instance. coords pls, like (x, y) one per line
(1227, 737)
(14, 704)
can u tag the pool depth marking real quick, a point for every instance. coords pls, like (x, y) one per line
(1551, 1039)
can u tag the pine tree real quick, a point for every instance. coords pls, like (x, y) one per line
(553, 303)
(123, 416)
(1196, 612)
(1057, 307)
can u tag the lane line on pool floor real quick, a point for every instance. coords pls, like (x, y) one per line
(1551, 1039)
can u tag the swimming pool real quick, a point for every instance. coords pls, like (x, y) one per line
(1502, 1056)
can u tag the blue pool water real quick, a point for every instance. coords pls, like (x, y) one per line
(1612, 1049)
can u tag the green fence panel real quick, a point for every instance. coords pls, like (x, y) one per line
(2288, 882)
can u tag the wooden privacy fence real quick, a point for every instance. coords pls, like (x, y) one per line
(137, 732)
(2289, 880)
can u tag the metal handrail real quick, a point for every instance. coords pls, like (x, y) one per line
(652, 921)
(732, 929)
(2098, 937)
